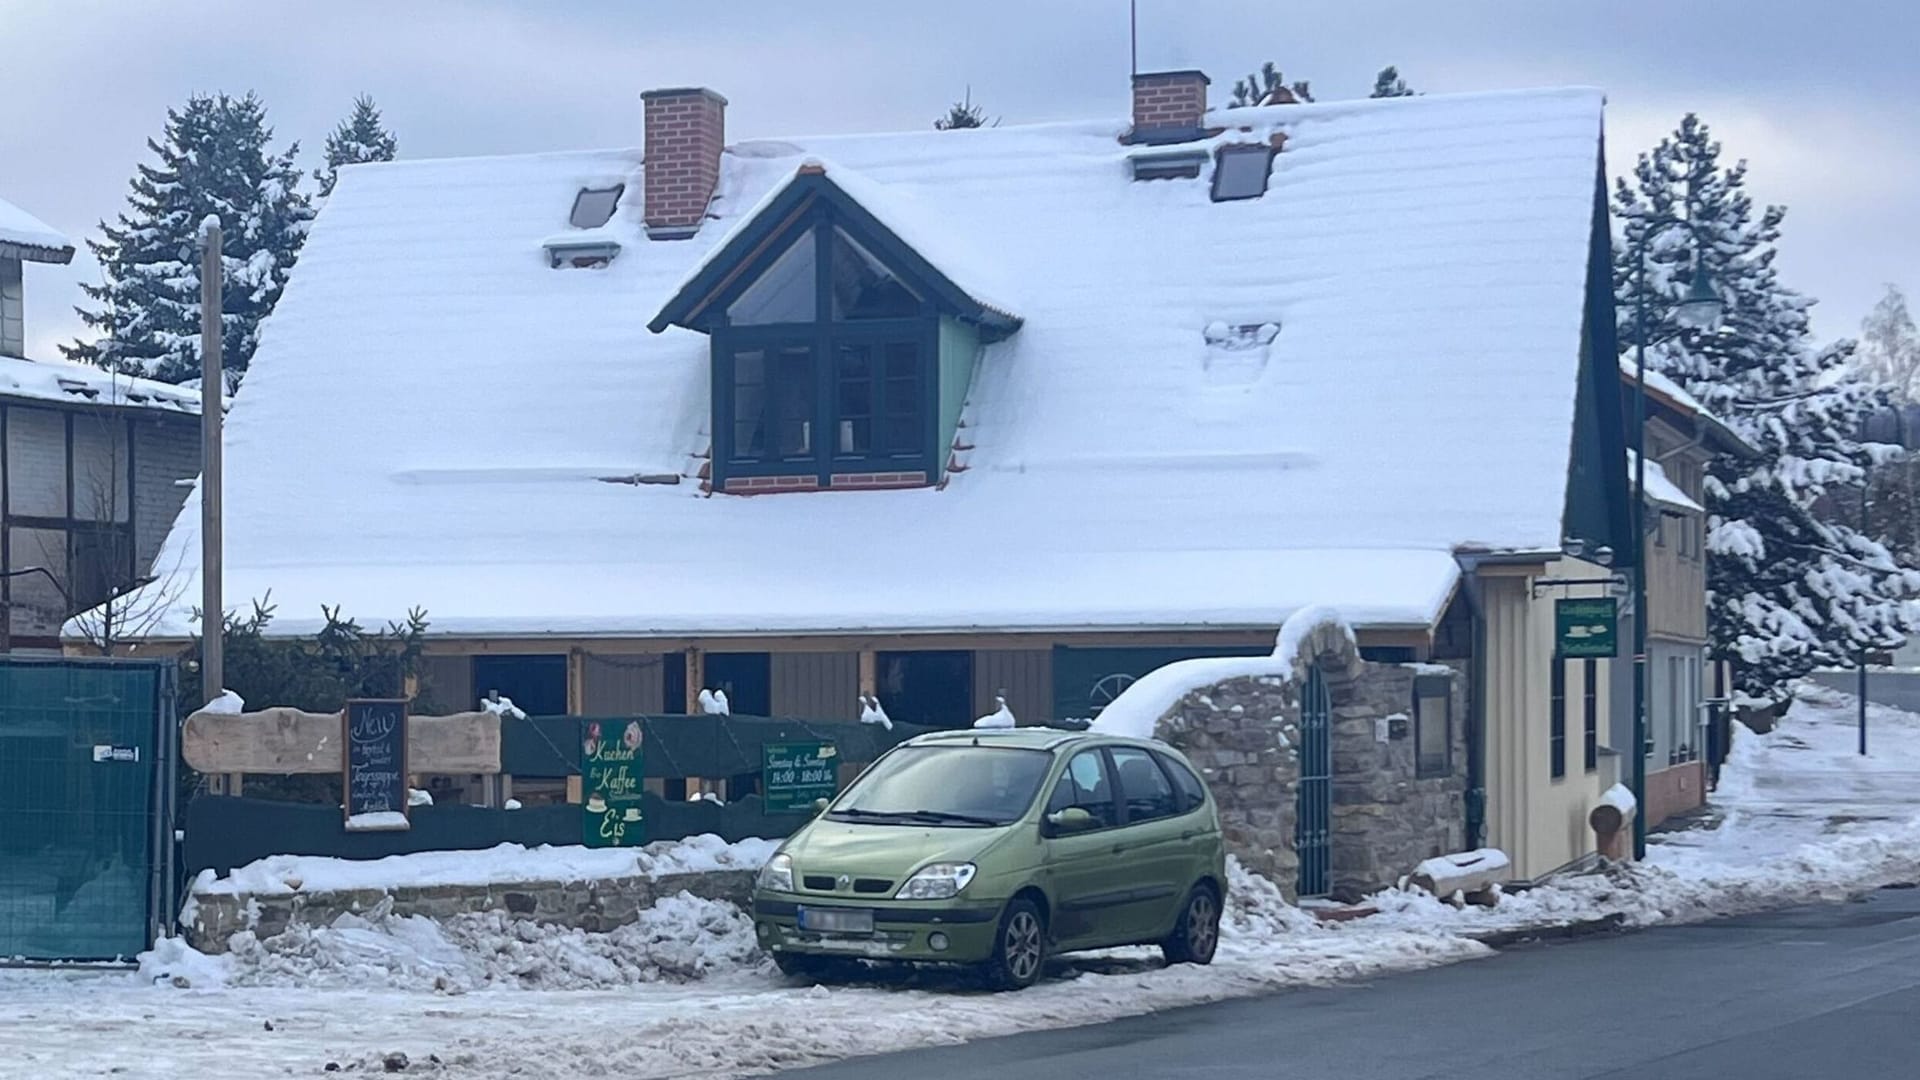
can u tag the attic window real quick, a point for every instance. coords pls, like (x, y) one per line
(594, 207)
(1240, 172)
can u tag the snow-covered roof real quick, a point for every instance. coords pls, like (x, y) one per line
(1660, 387)
(1661, 489)
(54, 380)
(433, 410)
(30, 237)
(947, 250)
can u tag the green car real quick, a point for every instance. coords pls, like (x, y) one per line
(996, 848)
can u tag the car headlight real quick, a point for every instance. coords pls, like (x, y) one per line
(777, 875)
(937, 882)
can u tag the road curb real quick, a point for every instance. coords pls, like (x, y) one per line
(1501, 939)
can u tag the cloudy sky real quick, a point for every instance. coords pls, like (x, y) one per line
(1819, 97)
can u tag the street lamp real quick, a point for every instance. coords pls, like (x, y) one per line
(1700, 309)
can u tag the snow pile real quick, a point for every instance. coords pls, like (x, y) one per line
(714, 703)
(278, 875)
(227, 704)
(681, 937)
(1138, 709)
(502, 706)
(871, 712)
(1000, 717)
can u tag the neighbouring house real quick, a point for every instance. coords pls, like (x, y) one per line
(1687, 690)
(949, 417)
(92, 463)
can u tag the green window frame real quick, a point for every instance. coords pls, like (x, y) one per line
(853, 389)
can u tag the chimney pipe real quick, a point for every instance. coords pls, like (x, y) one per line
(1168, 106)
(686, 129)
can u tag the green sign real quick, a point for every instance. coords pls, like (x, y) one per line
(795, 774)
(610, 783)
(1586, 627)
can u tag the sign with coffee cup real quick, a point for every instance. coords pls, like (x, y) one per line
(611, 756)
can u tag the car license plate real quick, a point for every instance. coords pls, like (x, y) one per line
(836, 920)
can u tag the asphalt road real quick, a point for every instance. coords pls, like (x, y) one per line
(1817, 992)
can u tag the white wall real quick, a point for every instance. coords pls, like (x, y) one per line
(1538, 820)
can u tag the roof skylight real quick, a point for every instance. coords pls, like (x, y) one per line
(594, 207)
(1240, 172)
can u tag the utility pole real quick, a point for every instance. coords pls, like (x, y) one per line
(1866, 488)
(212, 384)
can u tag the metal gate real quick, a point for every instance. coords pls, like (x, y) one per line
(86, 802)
(1313, 811)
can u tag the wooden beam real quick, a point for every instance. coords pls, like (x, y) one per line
(696, 678)
(285, 741)
(869, 672)
(576, 681)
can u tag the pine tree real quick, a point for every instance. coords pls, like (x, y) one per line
(1389, 84)
(213, 160)
(360, 138)
(1260, 89)
(964, 114)
(1786, 591)
(1890, 346)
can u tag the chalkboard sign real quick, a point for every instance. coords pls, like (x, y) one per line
(611, 759)
(374, 734)
(793, 775)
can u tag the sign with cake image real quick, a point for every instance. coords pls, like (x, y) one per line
(610, 783)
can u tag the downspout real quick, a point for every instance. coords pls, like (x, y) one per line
(1476, 799)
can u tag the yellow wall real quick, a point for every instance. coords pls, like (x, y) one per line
(1540, 822)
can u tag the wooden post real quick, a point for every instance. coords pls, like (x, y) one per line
(696, 682)
(869, 673)
(212, 385)
(576, 682)
(696, 678)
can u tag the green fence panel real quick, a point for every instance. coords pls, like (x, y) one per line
(86, 750)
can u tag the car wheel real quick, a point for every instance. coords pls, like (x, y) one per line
(1019, 948)
(1197, 934)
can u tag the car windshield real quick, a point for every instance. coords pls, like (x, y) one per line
(946, 785)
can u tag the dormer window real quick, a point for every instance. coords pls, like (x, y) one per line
(594, 207)
(840, 355)
(1240, 172)
(827, 358)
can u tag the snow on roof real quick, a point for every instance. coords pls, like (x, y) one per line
(21, 229)
(1659, 385)
(55, 380)
(909, 218)
(432, 407)
(1661, 489)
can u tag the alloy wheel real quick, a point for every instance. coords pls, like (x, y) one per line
(1023, 946)
(1203, 925)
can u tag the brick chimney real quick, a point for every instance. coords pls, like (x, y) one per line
(686, 129)
(1168, 105)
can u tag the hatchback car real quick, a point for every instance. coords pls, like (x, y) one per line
(996, 848)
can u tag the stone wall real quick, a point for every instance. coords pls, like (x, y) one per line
(585, 905)
(1242, 734)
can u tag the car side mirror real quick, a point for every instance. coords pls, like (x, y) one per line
(1071, 820)
(820, 807)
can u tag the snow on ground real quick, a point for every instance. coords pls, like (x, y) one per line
(684, 992)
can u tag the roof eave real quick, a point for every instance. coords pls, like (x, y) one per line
(36, 253)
